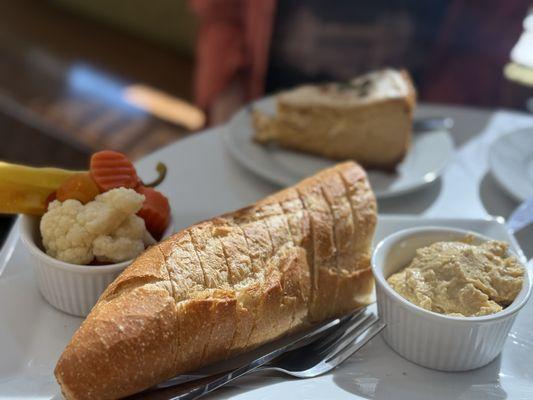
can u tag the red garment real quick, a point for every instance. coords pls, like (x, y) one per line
(463, 66)
(474, 46)
(234, 38)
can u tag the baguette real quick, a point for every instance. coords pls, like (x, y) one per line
(228, 285)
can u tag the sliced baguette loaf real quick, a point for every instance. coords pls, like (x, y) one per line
(368, 119)
(228, 285)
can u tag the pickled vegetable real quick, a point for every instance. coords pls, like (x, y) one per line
(111, 169)
(161, 169)
(155, 211)
(22, 199)
(46, 178)
(25, 189)
(79, 187)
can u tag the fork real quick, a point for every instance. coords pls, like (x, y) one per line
(330, 351)
(432, 124)
(311, 360)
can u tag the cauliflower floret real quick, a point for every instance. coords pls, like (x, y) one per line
(108, 210)
(123, 243)
(106, 228)
(63, 237)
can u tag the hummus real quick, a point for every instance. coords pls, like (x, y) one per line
(460, 279)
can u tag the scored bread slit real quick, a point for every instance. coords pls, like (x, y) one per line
(294, 244)
(321, 223)
(175, 356)
(259, 244)
(279, 230)
(199, 261)
(299, 225)
(245, 308)
(336, 247)
(287, 225)
(224, 252)
(258, 276)
(336, 194)
(121, 290)
(347, 191)
(242, 272)
(172, 291)
(198, 258)
(189, 278)
(254, 325)
(286, 299)
(361, 219)
(363, 206)
(220, 298)
(263, 302)
(230, 280)
(311, 252)
(276, 229)
(212, 253)
(193, 241)
(272, 247)
(327, 255)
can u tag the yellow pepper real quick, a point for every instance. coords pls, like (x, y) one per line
(24, 190)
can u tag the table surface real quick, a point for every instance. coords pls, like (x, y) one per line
(209, 182)
(205, 181)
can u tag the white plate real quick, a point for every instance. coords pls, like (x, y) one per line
(428, 155)
(33, 335)
(511, 163)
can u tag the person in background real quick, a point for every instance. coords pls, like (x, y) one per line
(455, 50)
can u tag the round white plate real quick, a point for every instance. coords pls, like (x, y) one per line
(511, 163)
(428, 155)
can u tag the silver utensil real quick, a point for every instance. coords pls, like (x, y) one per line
(320, 354)
(520, 223)
(6, 252)
(285, 344)
(521, 217)
(326, 354)
(433, 124)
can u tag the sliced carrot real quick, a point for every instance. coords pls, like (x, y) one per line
(111, 169)
(155, 211)
(79, 187)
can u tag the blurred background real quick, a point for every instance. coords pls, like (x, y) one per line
(79, 76)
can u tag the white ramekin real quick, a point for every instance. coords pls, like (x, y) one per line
(430, 339)
(71, 288)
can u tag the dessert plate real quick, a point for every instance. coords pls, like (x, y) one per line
(428, 155)
(33, 335)
(511, 163)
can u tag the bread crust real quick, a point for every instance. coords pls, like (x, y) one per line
(228, 285)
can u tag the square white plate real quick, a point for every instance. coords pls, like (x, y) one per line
(33, 335)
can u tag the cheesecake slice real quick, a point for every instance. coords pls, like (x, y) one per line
(368, 119)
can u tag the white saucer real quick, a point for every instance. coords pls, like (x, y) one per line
(425, 161)
(511, 163)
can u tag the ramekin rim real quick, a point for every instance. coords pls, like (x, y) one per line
(26, 237)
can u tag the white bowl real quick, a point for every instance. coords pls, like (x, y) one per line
(71, 288)
(430, 339)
